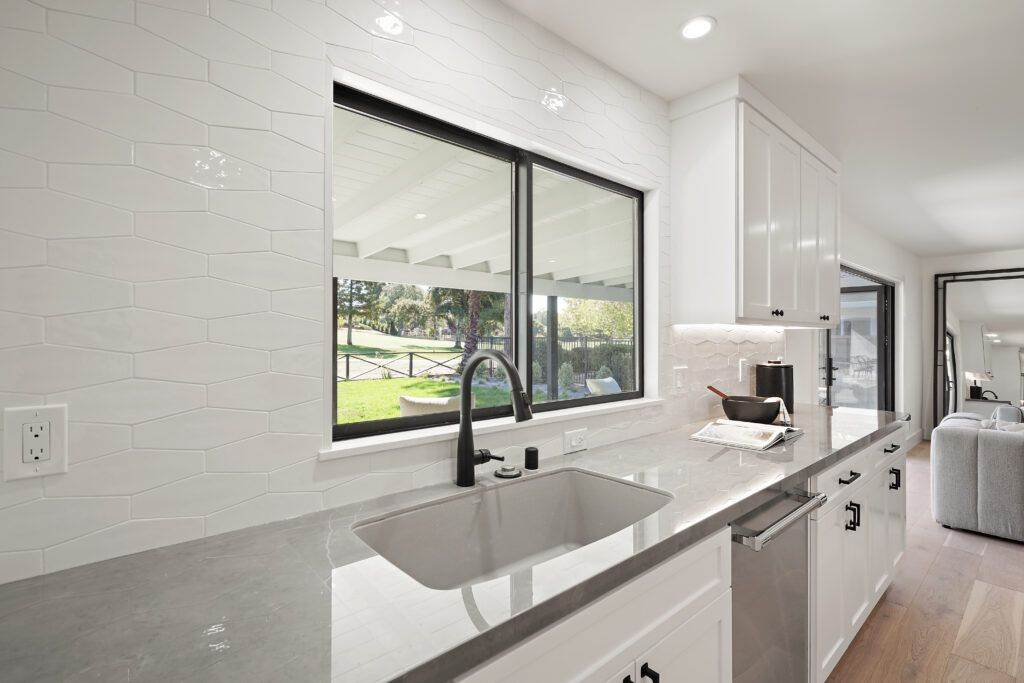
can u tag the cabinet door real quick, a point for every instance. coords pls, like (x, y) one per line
(697, 651)
(828, 244)
(808, 250)
(784, 227)
(627, 675)
(876, 525)
(755, 213)
(857, 596)
(829, 620)
(896, 510)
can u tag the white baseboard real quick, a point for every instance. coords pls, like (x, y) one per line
(914, 439)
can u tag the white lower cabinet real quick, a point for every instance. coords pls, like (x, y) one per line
(671, 623)
(857, 540)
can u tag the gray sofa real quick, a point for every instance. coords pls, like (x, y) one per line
(978, 475)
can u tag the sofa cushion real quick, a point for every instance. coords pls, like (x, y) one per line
(1000, 477)
(954, 456)
(1008, 414)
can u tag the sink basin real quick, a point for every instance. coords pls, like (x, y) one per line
(490, 532)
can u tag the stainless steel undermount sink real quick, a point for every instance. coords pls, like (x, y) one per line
(490, 532)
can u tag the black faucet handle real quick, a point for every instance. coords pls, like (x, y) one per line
(483, 455)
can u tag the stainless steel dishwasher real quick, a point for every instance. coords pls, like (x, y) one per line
(770, 589)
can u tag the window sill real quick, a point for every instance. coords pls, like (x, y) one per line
(386, 442)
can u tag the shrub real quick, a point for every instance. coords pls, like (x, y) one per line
(565, 374)
(538, 371)
(603, 371)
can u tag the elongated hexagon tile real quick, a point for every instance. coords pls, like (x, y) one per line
(49, 137)
(130, 401)
(19, 330)
(127, 45)
(266, 270)
(300, 360)
(369, 17)
(127, 258)
(266, 149)
(199, 495)
(266, 391)
(52, 291)
(263, 453)
(194, 6)
(266, 508)
(46, 522)
(23, 490)
(22, 14)
(307, 245)
(202, 35)
(123, 539)
(125, 329)
(203, 101)
(268, 331)
(266, 88)
(307, 302)
(53, 215)
(124, 473)
(20, 565)
(200, 429)
(202, 297)
(309, 73)
(88, 440)
(118, 10)
(267, 209)
(201, 363)
(202, 166)
(314, 475)
(202, 231)
(127, 186)
(304, 418)
(127, 115)
(53, 62)
(21, 250)
(367, 486)
(267, 28)
(305, 187)
(23, 93)
(17, 170)
(43, 368)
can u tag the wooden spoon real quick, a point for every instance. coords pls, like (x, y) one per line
(717, 392)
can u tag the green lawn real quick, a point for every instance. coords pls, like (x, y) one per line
(373, 342)
(376, 399)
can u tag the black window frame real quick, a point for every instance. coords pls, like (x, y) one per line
(522, 164)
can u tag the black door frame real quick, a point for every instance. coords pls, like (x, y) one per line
(943, 280)
(886, 315)
(954, 390)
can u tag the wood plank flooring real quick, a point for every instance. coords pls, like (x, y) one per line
(955, 610)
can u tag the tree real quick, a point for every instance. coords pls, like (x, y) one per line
(469, 314)
(597, 317)
(401, 309)
(358, 300)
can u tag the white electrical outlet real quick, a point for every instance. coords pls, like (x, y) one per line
(35, 441)
(574, 440)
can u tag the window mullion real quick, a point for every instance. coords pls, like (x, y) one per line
(522, 256)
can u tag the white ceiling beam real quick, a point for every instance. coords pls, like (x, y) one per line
(604, 275)
(463, 238)
(567, 247)
(412, 172)
(619, 281)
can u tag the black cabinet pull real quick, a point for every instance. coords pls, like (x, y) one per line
(895, 486)
(854, 476)
(627, 679)
(855, 522)
(647, 672)
(893, 447)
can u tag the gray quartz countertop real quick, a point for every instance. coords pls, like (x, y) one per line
(306, 600)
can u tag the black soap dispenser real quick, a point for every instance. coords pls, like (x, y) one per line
(532, 458)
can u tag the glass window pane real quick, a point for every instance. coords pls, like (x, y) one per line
(583, 306)
(855, 351)
(422, 254)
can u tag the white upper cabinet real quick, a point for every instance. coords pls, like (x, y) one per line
(755, 215)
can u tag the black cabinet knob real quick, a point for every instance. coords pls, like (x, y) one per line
(782, 312)
(647, 672)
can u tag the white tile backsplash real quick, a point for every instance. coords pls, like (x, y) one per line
(161, 231)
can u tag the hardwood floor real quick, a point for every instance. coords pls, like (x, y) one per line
(955, 610)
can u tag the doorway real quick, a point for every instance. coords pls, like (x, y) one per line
(951, 383)
(858, 354)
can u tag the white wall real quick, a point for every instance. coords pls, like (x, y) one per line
(949, 264)
(162, 249)
(1006, 373)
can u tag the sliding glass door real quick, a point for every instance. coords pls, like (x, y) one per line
(857, 358)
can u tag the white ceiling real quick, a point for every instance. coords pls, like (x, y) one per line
(997, 303)
(922, 100)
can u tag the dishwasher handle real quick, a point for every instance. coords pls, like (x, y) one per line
(756, 540)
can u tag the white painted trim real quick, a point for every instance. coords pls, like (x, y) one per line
(739, 88)
(329, 316)
(396, 440)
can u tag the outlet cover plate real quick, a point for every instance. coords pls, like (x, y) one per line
(574, 440)
(14, 418)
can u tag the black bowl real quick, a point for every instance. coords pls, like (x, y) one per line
(750, 409)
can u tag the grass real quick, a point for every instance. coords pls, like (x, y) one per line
(377, 399)
(371, 342)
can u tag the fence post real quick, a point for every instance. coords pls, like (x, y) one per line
(586, 359)
(347, 357)
(410, 364)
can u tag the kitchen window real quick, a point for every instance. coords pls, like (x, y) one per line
(446, 242)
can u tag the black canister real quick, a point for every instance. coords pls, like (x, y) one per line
(775, 378)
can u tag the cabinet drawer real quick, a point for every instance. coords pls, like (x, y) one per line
(840, 479)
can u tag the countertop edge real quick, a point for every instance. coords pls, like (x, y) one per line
(470, 654)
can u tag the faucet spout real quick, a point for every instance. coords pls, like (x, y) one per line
(467, 457)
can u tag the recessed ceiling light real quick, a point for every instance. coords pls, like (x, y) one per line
(997, 341)
(991, 335)
(698, 27)
(420, 216)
